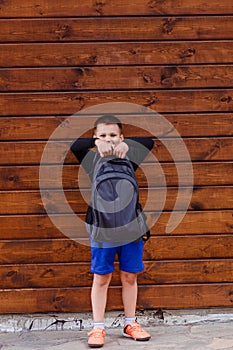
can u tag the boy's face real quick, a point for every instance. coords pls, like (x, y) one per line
(109, 133)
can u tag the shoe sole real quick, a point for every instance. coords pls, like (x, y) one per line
(137, 339)
(95, 346)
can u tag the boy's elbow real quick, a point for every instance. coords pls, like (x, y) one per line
(151, 143)
(72, 148)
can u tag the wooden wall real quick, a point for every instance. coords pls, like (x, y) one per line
(59, 57)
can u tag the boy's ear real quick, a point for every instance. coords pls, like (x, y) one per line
(122, 137)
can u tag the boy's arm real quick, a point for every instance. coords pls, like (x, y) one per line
(81, 149)
(139, 147)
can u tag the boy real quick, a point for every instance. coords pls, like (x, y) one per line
(109, 140)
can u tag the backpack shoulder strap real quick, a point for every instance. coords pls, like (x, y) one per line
(94, 163)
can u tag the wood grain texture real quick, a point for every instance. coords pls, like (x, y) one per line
(199, 149)
(46, 8)
(56, 60)
(27, 177)
(115, 53)
(41, 127)
(114, 78)
(150, 297)
(75, 275)
(116, 28)
(157, 248)
(30, 202)
(17, 227)
(69, 103)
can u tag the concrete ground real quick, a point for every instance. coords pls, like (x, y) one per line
(175, 330)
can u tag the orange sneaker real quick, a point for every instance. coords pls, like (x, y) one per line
(96, 337)
(136, 332)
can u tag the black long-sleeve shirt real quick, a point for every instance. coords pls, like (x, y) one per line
(139, 147)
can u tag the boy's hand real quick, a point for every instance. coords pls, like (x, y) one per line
(107, 148)
(120, 150)
(104, 148)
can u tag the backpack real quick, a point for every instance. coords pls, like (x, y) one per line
(114, 213)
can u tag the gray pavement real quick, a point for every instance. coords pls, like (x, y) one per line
(171, 330)
(208, 335)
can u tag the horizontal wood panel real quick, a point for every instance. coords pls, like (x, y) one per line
(44, 251)
(30, 202)
(150, 297)
(46, 8)
(157, 248)
(115, 53)
(190, 271)
(189, 247)
(79, 275)
(198, 149)
(27, 177)
(186, 296)
(187, 125)
(114, 78)
(117, 28)
(198, 223)
(160, 101)
(57, 60)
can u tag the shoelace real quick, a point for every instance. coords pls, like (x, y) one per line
(136, 327)
(97, 333)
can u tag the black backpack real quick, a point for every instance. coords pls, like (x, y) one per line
(115, 214)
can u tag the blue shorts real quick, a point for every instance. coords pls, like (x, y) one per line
(130, 257)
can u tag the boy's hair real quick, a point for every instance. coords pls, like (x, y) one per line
(108, 119)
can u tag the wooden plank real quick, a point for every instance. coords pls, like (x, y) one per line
(200, 149)
(187, 125)
(205, 174)
(44, 251)
(115, 53)
(114, 78)
(220, 100)
(14, 227)
(188, 271)
(203, 222)
(30, 202)
(163, 272)
(188, 247)
(46, 8)
(150, 297)
(30, 227)
(157, 248)
(24, 128)
(186, 296)
(116, 28)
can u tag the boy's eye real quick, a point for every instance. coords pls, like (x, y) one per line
(112, 135)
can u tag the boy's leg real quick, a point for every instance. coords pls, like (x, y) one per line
(98, 300)
(129, 293)
(102, 266)
(131, 262)
(99, 296)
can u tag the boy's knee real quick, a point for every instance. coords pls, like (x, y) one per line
(128, 277)
(102, 280)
